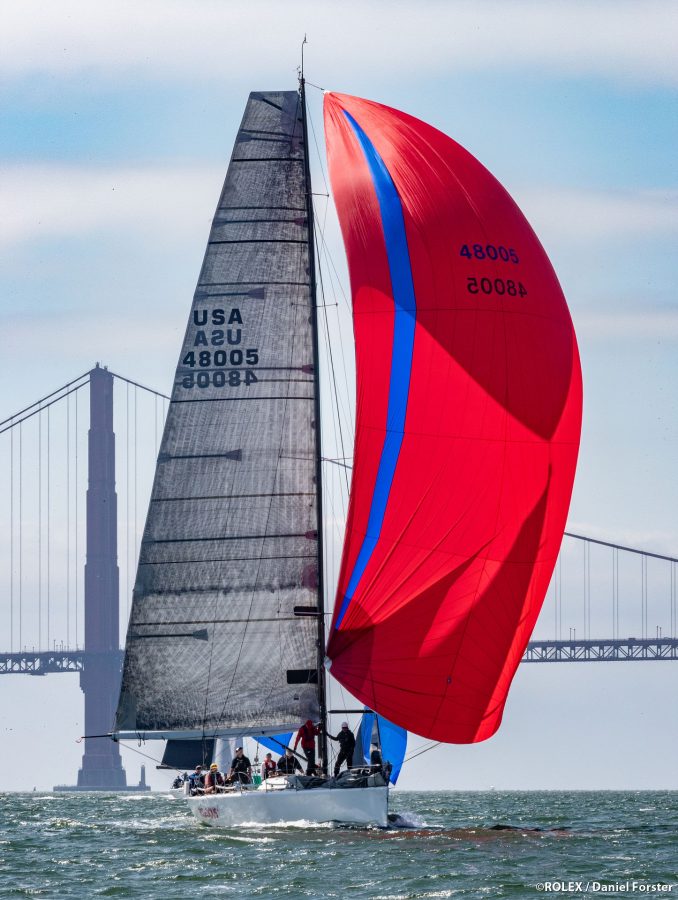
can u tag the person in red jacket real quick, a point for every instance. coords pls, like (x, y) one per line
(213, 779)
(307, 735)
(268, 767)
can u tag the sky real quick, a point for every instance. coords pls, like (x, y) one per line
(116, 125)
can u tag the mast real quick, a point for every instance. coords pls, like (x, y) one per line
(322, 698)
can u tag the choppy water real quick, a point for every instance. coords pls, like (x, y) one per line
(61, 845)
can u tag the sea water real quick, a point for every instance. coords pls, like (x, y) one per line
(573, 844)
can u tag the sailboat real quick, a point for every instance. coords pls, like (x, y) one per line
(468, 419)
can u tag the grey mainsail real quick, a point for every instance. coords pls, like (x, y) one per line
(231, 542)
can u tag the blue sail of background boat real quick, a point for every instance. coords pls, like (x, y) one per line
(276, 743)
(392, 739)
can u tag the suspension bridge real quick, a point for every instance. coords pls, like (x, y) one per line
(72, 520)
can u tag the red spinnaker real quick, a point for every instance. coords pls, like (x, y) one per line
(468, 420)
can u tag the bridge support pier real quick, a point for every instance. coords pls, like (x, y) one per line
(100, 678)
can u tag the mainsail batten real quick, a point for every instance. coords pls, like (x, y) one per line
(431, 631)
(231, 542)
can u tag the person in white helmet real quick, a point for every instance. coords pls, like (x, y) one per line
(346, 740)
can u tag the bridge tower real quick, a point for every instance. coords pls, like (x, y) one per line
(100, 677)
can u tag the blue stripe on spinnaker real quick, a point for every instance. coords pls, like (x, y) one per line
(402, 285)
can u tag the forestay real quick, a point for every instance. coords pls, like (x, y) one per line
(230, 545)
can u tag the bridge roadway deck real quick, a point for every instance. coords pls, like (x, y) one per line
(602, 650)
(594, 650)
(47, 662)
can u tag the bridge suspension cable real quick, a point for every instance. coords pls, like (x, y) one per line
(44, 470)
(592, 540)
(44, 402)
(46, 487)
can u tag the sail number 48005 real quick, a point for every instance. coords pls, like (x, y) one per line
(223, 376)
(221, 358)
(489, 251)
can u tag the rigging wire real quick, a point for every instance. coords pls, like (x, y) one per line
(421, 751)
(154, 759)
(336, 426)
(328, 343)
(323, 248)
(337, 294)
(317, 148)
(340, 332)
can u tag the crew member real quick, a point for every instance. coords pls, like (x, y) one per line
(241, 768)
(213, 779)
(346, 740)
(288, 763)
(196, 780)
(307, 734)
(376, 761)
(268, 767)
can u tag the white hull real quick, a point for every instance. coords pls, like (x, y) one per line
(349, 806)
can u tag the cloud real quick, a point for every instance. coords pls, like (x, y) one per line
(60, 201)
(174, 205)
(610, 325)
(107, 336)
(592, 215)
(248, 42)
